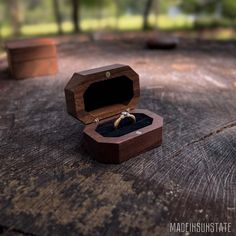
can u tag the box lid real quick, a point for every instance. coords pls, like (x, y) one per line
(102, 92)
(25, 43)
(31, 49)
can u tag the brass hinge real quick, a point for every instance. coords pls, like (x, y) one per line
(96, 120)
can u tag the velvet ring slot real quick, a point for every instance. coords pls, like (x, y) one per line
(127, 126)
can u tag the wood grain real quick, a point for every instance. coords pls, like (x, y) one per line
(34, 68)
(49, 185)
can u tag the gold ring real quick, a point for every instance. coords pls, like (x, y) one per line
(124, 115)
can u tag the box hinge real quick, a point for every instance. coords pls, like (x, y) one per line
(96, 121)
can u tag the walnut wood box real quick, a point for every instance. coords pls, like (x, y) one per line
(32, 57)
(97, 97)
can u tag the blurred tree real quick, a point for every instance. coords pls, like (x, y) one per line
(198, 7)
(99, 8)
(1, 20)
(156, 11)
(124, 6)
(118, 13)
(216, 12)
(75, 4)
(229, 8)
(147, 10)
(16, 15)
(91, 3)
(57, 14)
(132, 6)
(39, 11)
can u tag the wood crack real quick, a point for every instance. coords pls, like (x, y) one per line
(6, 229)
(219, 130)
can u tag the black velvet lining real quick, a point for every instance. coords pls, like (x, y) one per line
(126, 126)
(118, 90)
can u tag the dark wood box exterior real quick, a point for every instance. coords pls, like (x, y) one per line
(111, 149)
(32, 57)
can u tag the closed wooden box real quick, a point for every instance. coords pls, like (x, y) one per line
(32, 57)
(97, 97)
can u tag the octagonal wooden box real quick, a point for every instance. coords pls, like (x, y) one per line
(97, 97)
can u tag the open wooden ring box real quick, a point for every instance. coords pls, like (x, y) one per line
(97, 97)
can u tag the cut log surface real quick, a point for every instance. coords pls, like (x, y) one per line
(49, 185)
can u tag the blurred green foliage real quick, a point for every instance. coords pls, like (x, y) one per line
(115, 14)
(221, 8)
(229, 8)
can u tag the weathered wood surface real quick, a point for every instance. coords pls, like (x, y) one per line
(50, 186)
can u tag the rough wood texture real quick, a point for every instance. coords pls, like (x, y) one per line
(115, 150)
(32, 57)
(50, 186)
(79, 83)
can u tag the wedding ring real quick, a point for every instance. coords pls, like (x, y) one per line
(123, 116)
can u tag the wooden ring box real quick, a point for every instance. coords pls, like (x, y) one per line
(97, 97)
(29, 58)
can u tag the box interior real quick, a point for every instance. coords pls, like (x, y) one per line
(126, 126)
(108, 92)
